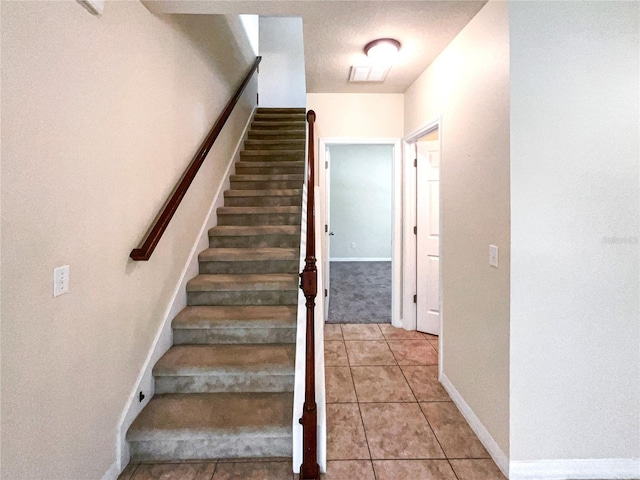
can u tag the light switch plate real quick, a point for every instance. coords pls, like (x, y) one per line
(493, 255)
(60, 280)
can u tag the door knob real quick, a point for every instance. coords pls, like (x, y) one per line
(331, 233)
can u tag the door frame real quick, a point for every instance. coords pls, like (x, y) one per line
(410, 245)
(396, 212)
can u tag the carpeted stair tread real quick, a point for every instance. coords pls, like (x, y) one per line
(238, 230)
(269, 143)
(271, 163)
(245, 236)
(243, 282)
(291, 197)
(277, 134)
(268, 178)
(279, 116)
(258, 210)
(282, 110)
(278, 124)
(293, 156)
(284, 192)
(248, 254)
(236, 324)
(230, 359)
(199, 415)
(270, 166)
(236, 316)
(272, 153)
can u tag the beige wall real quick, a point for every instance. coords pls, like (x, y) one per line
(468, 86)
(360, 115)
(100, 117)
(575, 330)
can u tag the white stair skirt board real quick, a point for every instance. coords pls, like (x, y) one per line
(358, 259)
(583, 469)
(164, 335)
(498, 456)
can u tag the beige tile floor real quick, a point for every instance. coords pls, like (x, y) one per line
(388, 418)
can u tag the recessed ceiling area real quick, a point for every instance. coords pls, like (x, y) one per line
(335, 33)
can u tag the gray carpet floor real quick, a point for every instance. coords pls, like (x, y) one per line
(360, 292)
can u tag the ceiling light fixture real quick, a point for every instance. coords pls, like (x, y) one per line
(382, 51)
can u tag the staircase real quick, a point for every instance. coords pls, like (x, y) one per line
(225, 388)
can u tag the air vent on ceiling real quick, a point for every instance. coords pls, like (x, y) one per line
(369, 73)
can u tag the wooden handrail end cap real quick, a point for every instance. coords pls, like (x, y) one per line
(139, 255)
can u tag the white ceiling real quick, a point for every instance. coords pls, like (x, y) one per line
(336, 31)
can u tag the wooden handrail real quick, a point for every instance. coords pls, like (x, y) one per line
(309, 469)
(165, 216)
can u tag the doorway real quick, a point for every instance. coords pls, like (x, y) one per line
(428, 233)
(361, 271)
(422, 299)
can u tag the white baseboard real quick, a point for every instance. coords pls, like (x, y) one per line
(573, 469)
(360, 259)
(163, 339)
(112, 473)
(501, 459)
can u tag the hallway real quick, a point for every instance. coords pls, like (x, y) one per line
(388, 417)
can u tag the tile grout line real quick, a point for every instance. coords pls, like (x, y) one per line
(425, 416)
(389, 341)
(364, 430)
(215, 467)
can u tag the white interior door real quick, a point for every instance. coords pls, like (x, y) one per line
(428, 236)
(326, 264)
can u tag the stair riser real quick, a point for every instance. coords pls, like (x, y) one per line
(276, 170)
(284, 145)
(254, 241)
(216, 336)
(281, 158)
(253, 156)
(256, 266)
(294, 201)
(266, 185)
(259, 219)
(243, 297)
(213, 446)
(224, 383)
(277, 135)
(282, 110)
(284, 125)
(280, 117)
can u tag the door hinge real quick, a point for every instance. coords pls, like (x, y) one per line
(326, 228)
(326, 165)
(415, 230)
(325, 292)
(257, 99)
(415, 299)
(415, 162)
